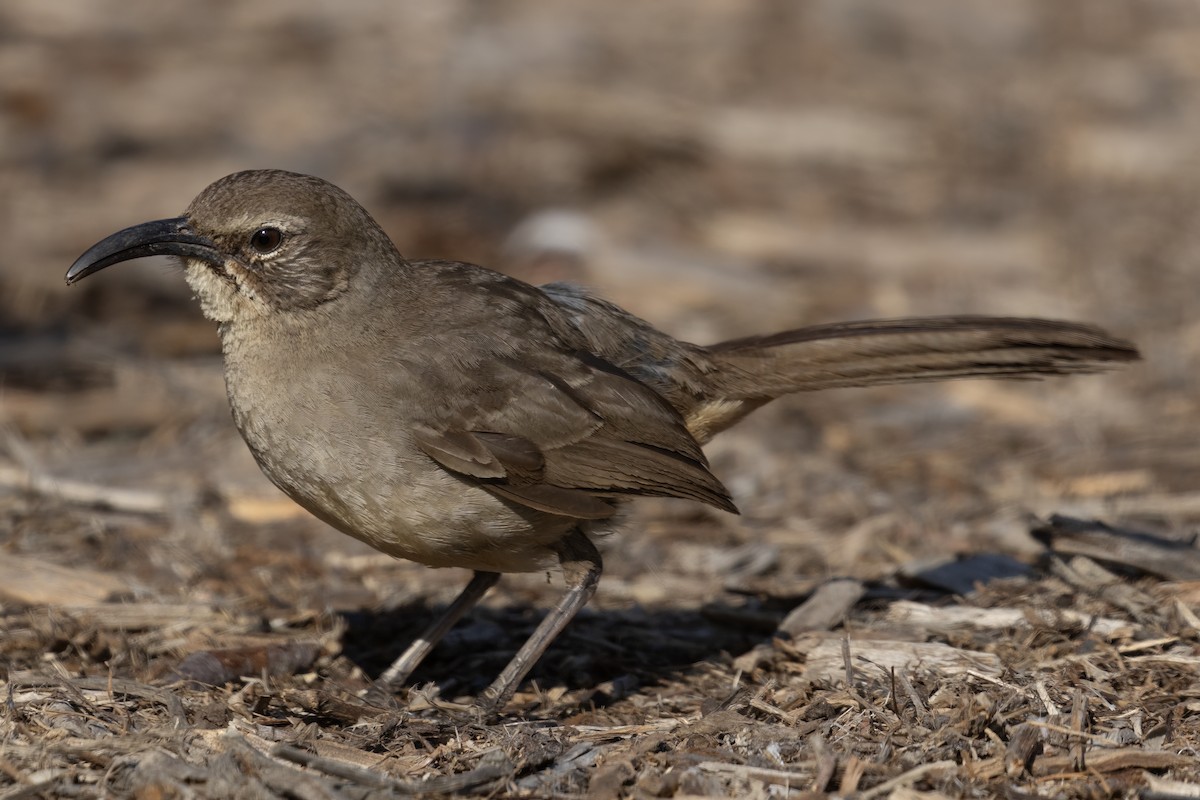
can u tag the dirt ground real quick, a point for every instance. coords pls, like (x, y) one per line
(892, 615)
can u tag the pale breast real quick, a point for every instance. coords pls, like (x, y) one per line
(354, 466)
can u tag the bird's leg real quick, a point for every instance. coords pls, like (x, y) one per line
(581, 567)
(395, 675)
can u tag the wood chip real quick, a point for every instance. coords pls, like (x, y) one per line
(945, 619)
(1166, 558)
(1024, 744)
(82, 493)
(36, 582)
(258, 510)
(1163, 789)
(134, 616)
(1115, 760)
(908, 778)
(776, 777)
(825, 660)
(221, 666)
(1090, 578)
(1079, 722)
(825, 609)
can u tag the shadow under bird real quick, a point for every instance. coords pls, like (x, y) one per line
(448, 414)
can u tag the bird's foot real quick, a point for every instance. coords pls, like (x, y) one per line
(381, 695)
(426, 702)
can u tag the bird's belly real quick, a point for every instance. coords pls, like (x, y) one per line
(382, 490)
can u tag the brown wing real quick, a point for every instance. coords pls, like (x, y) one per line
(523, 406)
(568, 433)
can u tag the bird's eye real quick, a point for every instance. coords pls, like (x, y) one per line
(264, 240)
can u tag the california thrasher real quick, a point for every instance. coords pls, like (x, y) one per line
(448, 414)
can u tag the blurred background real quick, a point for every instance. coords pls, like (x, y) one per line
(719, 167)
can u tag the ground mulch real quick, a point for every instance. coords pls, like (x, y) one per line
(973, 590)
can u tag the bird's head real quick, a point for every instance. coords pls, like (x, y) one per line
(256, 243)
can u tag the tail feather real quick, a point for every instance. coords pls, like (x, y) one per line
(912, 350)
(747, 373)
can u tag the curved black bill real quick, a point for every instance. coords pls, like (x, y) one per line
(170, 237)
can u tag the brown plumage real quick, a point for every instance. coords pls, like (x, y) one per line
(451, 415)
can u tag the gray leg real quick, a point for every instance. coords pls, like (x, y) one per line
(400, 670)
(581, 566)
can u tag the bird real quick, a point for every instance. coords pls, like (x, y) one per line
(454, 416)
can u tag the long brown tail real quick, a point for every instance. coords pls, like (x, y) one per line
(755, 370)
